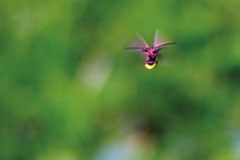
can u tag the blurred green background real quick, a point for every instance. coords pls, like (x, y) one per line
(69, 90)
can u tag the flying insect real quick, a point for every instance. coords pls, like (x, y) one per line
(150, 53)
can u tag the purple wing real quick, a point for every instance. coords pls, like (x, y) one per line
(158, 44)
(164, 44)
(139, 44)
(156, 40)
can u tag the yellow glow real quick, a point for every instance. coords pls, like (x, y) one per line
(148, 66)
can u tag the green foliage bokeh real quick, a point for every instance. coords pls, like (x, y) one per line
(68, 86)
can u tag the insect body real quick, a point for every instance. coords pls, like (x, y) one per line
(151, 53)
(151, 58)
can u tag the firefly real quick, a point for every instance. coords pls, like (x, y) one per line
(151, 54)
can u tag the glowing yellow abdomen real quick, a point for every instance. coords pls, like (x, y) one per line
(150, 66)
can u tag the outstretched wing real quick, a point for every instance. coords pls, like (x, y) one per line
(156, 40)
(139, 44)
(157, 44)
(164, 44)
